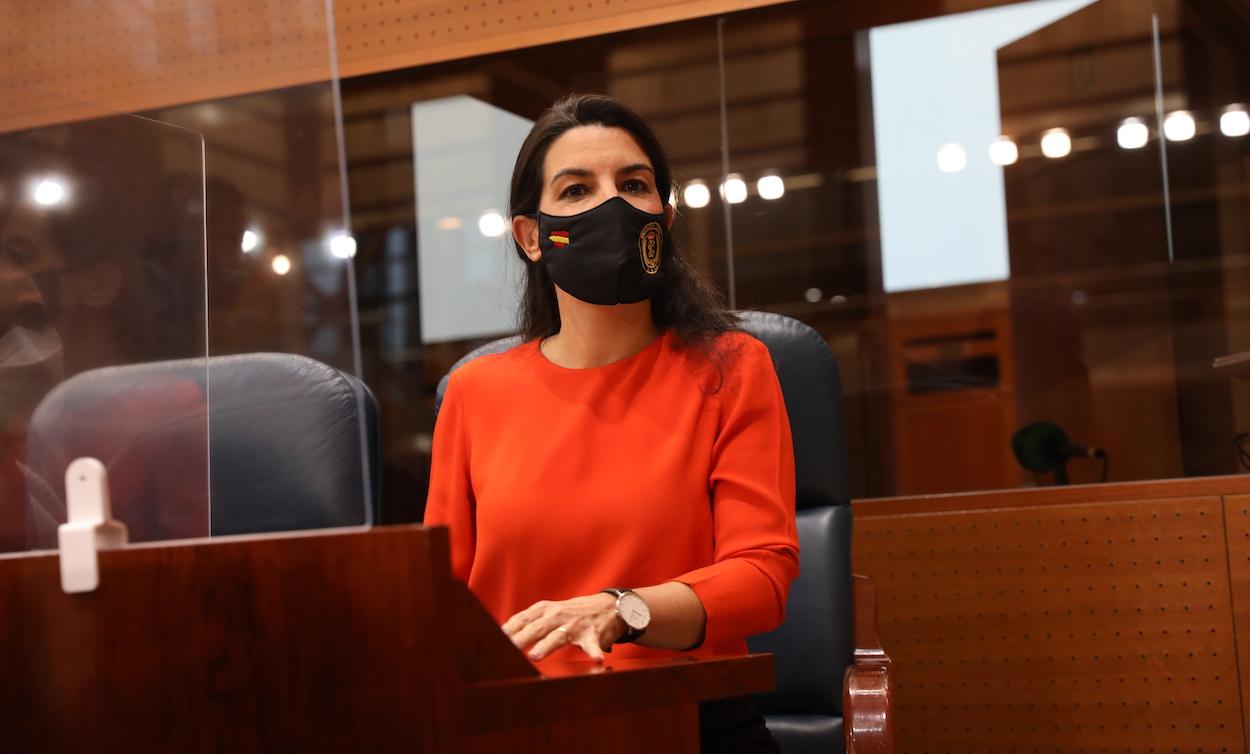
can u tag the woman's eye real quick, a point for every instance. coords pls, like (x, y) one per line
(636, 186)
(573, 192)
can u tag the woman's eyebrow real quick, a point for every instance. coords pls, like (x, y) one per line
(579, 172)
(635, 168)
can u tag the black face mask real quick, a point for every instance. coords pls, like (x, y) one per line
(612, 254)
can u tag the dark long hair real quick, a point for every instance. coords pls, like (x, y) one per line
(686, 305)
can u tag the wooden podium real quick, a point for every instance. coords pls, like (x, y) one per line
(332, 641)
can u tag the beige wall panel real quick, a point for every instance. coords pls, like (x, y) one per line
(67, 61)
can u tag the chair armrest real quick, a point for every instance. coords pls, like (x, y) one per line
(867, 698)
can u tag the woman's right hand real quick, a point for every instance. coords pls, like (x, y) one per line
(589, 623)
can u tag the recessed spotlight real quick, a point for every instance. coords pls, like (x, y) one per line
(491, 224)
(281, 264)
(1056, 143)
(49, 192)
(770, 187)
(696, 194)
(1179, 126)
(1235, 121)
(1133, 133)
(1004, 151)
(734, 189)
(250, 242)
(342, 246)
(952, 158)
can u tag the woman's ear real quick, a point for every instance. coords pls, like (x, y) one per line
(669, 213)
(525, 233)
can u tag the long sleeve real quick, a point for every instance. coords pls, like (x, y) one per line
(451, 502)
(752, 488)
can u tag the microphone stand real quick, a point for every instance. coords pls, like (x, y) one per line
(1061, 473)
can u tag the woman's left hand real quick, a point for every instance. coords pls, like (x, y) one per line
(589, 623)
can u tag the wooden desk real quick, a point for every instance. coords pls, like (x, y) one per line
(1109, 617)
(332, 641)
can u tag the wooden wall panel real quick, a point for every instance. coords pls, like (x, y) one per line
(68, 60)
(1237, 521)
(1086, 626)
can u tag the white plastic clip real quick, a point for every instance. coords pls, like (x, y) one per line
(91, 527)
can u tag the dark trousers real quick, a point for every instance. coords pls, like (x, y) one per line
(733, 726)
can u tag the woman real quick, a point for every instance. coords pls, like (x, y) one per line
(625, 477)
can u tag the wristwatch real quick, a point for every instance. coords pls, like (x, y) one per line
(634, 614)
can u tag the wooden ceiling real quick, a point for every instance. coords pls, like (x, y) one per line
(67, 60)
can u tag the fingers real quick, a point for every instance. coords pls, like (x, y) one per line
(524, 618)
(546, 627)
(558, 638)
(589, 643)
(533, 633)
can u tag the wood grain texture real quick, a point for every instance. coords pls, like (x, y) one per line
(1048, 496)
(668, 729)
(310, 643)
(869, 720)
(1237, 523)
(69, 61)
(579, 691)
(333, 641)
(1058, 621)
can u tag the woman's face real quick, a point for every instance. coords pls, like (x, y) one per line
(588, 165)
(585, 167)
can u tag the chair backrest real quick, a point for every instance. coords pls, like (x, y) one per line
(813, 648)
(291, 443)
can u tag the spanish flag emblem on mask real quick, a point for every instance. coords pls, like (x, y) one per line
(559, 238)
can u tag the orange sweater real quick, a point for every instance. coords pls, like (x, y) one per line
(560, 482)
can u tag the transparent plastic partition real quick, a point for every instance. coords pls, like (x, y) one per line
(971, 209)
(291, 430)
(102, 317)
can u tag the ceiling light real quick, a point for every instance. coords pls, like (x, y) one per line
(342, 246)
(770, 187)
(1179, 126)
(49, 192)
(952, 158)
(734, 189)
(250, 242)
(281, 264)
(491, 224)
(1235, 121)
(1004, 151)
(1056, 143)
(1133, 133)
(696, 194)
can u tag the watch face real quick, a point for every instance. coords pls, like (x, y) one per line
(634, 611)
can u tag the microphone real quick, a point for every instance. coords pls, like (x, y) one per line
(1043, 446)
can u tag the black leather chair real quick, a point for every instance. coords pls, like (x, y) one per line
(815, 650)
(291, 443)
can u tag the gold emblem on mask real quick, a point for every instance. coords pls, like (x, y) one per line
(650, 242)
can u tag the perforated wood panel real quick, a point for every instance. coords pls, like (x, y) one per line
(133, 56)
(130, 56)
(1237, 521)
(1102, 627)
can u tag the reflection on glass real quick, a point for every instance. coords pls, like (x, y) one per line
(101, 270)
(934, 83)
(258, 193)
(463, 152)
